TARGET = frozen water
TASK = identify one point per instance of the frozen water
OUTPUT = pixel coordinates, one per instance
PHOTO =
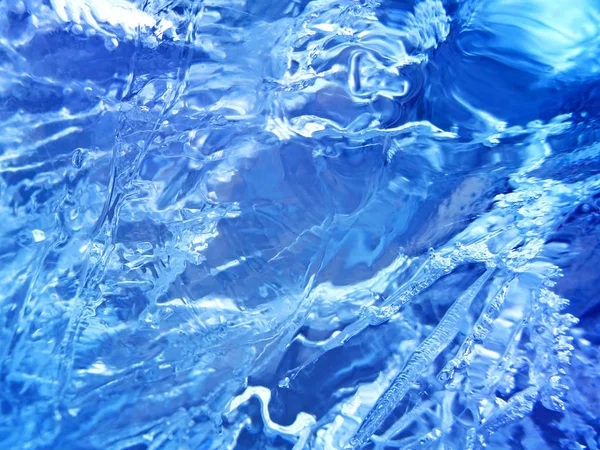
(307, 224)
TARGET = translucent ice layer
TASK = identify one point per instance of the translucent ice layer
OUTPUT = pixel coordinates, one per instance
(326, 224)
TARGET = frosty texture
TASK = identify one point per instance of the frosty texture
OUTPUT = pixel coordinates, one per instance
(256, 224)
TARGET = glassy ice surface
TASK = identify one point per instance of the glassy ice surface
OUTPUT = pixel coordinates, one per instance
(324, 224)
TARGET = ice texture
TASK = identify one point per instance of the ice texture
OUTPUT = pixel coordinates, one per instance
(299, 224)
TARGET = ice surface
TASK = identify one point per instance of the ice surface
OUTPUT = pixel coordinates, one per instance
(326, 224)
